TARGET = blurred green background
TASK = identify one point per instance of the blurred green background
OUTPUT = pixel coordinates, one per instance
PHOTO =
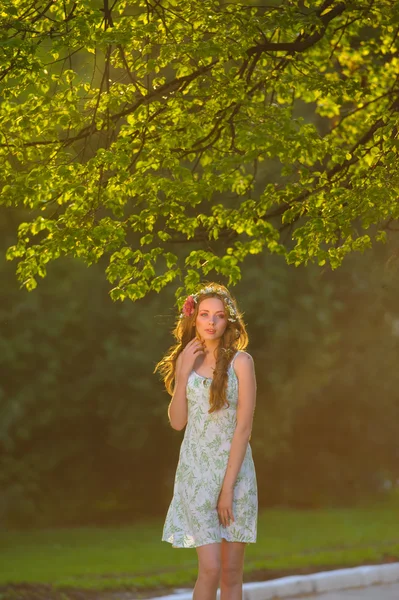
(84, 436)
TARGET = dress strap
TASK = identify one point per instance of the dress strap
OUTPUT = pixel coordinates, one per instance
(234, 357)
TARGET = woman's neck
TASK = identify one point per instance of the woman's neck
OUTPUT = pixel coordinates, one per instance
(210, 347)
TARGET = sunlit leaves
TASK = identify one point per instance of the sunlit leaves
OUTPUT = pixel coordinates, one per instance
(176, 139)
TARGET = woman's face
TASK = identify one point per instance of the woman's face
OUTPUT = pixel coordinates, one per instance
(211, 320)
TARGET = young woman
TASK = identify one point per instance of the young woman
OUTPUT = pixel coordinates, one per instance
(213, 387)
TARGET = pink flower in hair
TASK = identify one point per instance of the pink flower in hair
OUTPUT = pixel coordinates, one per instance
(188, 307)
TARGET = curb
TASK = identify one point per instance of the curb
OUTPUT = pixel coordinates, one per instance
(326, 581)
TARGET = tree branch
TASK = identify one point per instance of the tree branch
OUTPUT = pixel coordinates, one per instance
(301, 44)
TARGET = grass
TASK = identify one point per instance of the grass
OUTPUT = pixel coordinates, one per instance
(134, 556)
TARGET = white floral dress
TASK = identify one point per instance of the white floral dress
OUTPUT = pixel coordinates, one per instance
(192, 519)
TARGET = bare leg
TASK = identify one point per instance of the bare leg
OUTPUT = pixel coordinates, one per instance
(208, 572)
(232, 570)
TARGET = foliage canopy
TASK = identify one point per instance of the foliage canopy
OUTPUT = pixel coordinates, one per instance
(175, 139)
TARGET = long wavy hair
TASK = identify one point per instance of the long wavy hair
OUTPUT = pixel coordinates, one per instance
(234, 338)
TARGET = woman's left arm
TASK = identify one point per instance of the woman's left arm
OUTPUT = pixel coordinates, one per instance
(244, 368)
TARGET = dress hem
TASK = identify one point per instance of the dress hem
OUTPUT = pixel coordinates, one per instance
(249, 541)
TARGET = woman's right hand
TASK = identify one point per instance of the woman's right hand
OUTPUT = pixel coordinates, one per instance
(189, 355)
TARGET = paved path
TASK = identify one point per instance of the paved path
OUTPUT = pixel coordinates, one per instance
(376, 592)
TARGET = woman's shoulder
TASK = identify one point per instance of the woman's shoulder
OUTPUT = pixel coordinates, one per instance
(243, 360)
(242, 355)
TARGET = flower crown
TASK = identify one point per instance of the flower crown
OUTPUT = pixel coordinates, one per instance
(190, 302)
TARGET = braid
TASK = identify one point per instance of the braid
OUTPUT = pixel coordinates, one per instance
(229, 344)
